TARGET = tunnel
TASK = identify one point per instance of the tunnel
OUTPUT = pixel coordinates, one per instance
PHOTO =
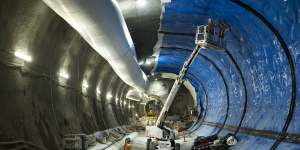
(55, 82)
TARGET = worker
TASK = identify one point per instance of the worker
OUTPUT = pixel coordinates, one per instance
(210, 27)
(222, 30)
(210, 30)
(172, 141)
(127, 145)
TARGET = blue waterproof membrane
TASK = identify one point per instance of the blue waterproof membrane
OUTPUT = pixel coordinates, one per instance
(254, 84)
(247, 142)
(290, 146)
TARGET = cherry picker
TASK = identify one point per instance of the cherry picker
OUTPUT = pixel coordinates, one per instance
(207, 36)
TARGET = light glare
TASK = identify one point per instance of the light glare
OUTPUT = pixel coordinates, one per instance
(148, 61)
(141, 3)
(23, 56)
(63, 75)
(98, 91)
(85, 84)
(109, 95)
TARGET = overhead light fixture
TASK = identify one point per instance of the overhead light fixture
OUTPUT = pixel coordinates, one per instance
(166, 1)
(63, 75)
(141, 63)
(23, 56)
(109, 96)
(85, 84)
(98, 91)
(141, 3)
(148, 61)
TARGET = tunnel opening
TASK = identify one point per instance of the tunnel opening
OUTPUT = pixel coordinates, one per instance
(183, 111)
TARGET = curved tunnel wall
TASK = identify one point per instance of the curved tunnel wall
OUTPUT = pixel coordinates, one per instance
(251, 89)
(38, 105)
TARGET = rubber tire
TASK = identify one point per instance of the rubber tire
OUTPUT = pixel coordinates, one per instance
(152, 146)
(149, 141)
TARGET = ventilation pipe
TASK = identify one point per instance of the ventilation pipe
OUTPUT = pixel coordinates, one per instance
(102, 25)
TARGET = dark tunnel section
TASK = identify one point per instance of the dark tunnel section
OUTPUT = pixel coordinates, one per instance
(67, 87)
(252, 88)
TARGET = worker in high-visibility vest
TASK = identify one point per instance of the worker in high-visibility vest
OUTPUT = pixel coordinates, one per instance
(210, 27)
(127, 145)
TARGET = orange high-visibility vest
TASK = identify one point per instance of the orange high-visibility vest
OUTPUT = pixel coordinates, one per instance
(127, 147)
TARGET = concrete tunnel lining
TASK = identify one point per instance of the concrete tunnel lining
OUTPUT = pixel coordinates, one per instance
(37, 104)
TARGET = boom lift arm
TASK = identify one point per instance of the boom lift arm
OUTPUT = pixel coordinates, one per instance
(178, 82)
(206, 37)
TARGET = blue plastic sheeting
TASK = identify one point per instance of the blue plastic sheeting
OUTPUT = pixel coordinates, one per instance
(247, 142)
(290, 146)
(205, 130)
(285, 17)
(212, 82)
(255, 82)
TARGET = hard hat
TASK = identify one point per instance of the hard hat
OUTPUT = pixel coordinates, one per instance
(231, 140)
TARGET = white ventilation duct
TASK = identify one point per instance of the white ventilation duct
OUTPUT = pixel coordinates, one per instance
(102, 25)
(136, 95)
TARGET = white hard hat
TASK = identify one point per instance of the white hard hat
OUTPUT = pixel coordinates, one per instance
(231, 140)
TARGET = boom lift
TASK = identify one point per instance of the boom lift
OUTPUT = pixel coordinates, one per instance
(207, 36)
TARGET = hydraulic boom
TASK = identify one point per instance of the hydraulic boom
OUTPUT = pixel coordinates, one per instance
(178, 82)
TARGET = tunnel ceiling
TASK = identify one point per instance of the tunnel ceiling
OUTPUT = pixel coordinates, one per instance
(142, 19)
(252, 88)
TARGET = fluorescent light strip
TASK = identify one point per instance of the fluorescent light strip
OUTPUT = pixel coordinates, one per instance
(98, 91)
(63, 75)
(84, 84)
(109, 95)
(23, 56)
(141, 3)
